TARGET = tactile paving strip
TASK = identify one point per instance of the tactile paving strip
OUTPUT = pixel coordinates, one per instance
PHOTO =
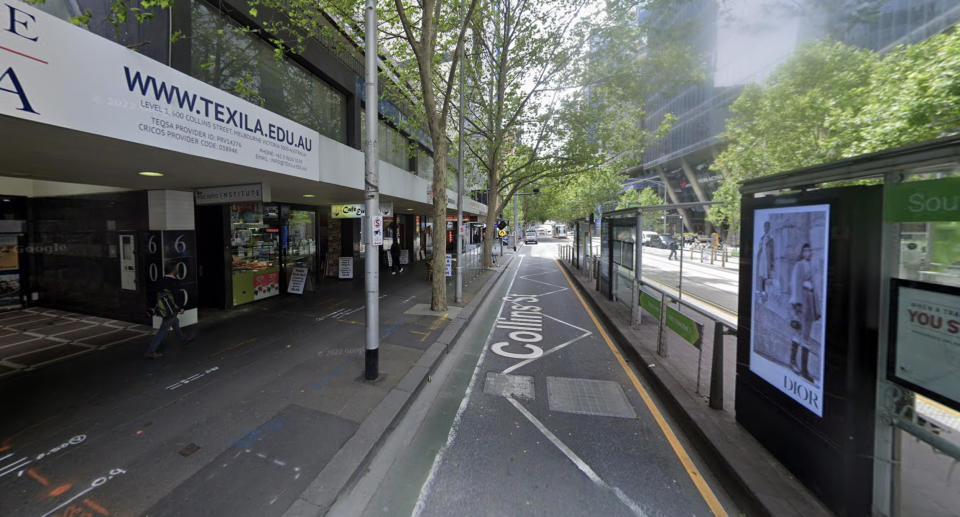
(520, 386)
(588, 397)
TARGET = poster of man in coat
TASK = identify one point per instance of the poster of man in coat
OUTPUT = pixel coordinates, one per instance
(788, 300)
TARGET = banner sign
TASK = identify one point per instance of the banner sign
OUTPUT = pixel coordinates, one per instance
(346, 267)
(925, 339)
(404, 257)
(922, 201)
(60, 74)
(689, 330)
(232, 194)
(789, 304)
(650, 304)
(449, 264)
(355, 210)
(298, 277)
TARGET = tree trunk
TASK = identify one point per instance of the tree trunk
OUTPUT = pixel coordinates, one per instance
(493, 209)
(438, 300)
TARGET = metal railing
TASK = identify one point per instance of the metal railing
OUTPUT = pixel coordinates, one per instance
(722, 325)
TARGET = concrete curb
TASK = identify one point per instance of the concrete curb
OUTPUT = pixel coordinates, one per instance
(752, 476)
(348, 462)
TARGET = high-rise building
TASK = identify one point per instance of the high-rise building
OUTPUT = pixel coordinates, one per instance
(741, 43)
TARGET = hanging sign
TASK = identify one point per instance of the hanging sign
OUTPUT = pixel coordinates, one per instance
(298, 277)
(355, 210)
(346, 267)
(922, 201)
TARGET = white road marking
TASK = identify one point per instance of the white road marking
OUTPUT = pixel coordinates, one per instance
(452, 435)
(723, 287)
(572, 456)
(554, 349)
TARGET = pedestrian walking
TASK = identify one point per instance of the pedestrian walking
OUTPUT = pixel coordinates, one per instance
(395, 254)
(168, 310)
(673, 250)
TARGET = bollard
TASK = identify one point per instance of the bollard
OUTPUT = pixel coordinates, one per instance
(723, 262)
(716, 368)
(701, 255)
(713, 255)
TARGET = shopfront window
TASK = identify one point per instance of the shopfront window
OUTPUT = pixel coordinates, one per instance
(301, 245)
(223, 55)
(255, 250)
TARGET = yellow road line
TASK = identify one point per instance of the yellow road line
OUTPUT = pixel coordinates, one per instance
(708, 496)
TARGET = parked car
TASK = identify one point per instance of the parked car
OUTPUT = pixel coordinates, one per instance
(654, 241)
(530, 237)
(666, 240)
(646, 238)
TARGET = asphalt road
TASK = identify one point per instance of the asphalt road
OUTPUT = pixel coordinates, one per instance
(536, 415)
(710, 283)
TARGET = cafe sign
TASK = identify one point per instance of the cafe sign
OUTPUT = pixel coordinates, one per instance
(357, 210)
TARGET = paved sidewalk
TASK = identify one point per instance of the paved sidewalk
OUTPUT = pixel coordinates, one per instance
(753, 477)
(266, 411)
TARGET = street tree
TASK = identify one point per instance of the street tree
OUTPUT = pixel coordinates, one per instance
(789, 121)
(516, 68)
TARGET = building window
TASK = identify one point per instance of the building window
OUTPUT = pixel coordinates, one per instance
(392, 146)
(223, 55)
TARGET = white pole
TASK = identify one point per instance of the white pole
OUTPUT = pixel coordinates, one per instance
(371, 199)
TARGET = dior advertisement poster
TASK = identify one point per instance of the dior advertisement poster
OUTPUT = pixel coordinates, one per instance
(789, 301)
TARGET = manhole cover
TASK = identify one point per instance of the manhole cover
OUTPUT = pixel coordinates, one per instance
(502, 385)
(189, 449)
(588, 397)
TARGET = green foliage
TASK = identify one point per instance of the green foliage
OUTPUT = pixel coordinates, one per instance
(790, 121)
(832, 101)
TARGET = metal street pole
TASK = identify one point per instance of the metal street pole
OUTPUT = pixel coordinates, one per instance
(516, 224)
(371, 199)
(459, 292)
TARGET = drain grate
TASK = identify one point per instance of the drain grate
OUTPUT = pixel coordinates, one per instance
(588, 397)
(520, 386)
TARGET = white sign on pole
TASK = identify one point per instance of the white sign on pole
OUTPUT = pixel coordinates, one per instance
(346, 267)
(449, 264)
(404, 257)
(298, 277)
(69, 77)
(378, 230)
(355, 210)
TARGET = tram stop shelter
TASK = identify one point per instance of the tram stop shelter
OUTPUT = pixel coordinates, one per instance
(848, 348)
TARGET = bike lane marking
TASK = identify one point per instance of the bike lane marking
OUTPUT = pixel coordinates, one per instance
(705, 491)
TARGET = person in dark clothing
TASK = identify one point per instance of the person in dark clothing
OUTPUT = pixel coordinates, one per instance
(673, 250)
(395, 254)
(168, 310)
